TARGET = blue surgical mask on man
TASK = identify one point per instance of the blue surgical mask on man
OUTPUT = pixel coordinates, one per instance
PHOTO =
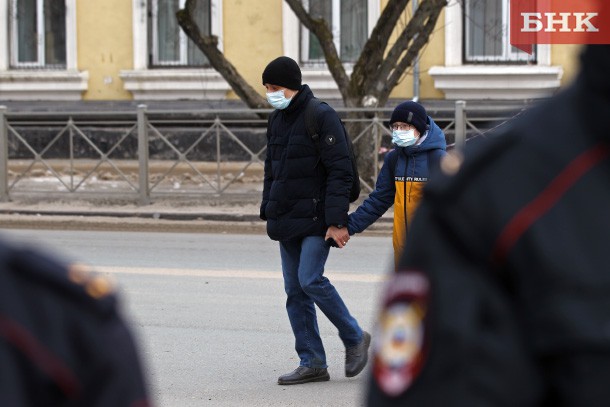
(404, 138)
(278, 100)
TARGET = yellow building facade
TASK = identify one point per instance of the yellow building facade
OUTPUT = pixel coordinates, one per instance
(116, 50)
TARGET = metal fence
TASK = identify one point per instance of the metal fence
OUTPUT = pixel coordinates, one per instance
(145, 154)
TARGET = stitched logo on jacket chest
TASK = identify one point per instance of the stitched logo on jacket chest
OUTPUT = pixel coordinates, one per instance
(330, 139)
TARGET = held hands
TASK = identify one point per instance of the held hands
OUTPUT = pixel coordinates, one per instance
(340, 236)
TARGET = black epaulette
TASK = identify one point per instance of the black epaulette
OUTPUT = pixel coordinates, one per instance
(71, 283)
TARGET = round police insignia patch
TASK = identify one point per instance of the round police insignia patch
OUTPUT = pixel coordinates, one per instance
(330, 139)
(399, 352)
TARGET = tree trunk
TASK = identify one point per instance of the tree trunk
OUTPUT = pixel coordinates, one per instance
(378, 70)
(209, 46)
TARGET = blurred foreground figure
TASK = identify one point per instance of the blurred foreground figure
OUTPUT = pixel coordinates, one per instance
(502, 297)
(62, 341)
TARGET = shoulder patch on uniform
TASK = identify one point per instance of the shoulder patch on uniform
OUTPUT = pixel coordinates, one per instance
(330, 139)
(452, 162)
(400, 349)
(95, 285)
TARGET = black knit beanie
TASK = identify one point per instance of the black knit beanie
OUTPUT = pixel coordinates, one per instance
(283, 71)
(412, 113)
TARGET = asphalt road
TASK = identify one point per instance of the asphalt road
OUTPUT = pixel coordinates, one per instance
(208, 311)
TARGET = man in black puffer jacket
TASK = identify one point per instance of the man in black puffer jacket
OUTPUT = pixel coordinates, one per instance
(306, 191)
(502, 296)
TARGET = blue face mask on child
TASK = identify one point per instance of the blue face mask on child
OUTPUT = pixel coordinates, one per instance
(278, 100)
(404, 138)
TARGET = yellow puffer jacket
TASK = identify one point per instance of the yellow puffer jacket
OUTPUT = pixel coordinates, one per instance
(400, 183)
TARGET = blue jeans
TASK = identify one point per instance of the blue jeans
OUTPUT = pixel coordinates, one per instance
(303, 268)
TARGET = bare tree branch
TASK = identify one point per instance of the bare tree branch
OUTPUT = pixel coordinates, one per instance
(427, 12)
(209, 46)
(366, 67)
(417, 44)
(375, 73)
(321, 30)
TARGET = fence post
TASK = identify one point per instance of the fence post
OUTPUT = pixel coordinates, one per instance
(377, 137)
(460, 123)
(3, 156)
(218, 173)
(143, 155)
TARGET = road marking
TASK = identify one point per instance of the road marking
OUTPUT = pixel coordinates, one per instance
(333, 275)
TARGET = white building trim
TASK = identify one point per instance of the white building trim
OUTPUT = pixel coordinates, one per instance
(464, 81)
(174, 83)
(35, 84)
(42, 85)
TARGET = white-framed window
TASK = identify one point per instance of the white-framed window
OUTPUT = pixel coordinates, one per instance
(38, 51)
(349, 25)
(296, 42)
(469, 74)
(487, 35)
(170, 46)
(166, 64)
(37, 34)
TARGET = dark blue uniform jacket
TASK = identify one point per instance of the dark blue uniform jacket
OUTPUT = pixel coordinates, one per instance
(510, 253)
(63, 341)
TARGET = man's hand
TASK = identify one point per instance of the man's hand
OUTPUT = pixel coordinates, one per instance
(340, 236)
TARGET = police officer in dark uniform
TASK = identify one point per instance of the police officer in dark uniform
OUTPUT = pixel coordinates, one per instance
(62, 339)
(502, 297)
